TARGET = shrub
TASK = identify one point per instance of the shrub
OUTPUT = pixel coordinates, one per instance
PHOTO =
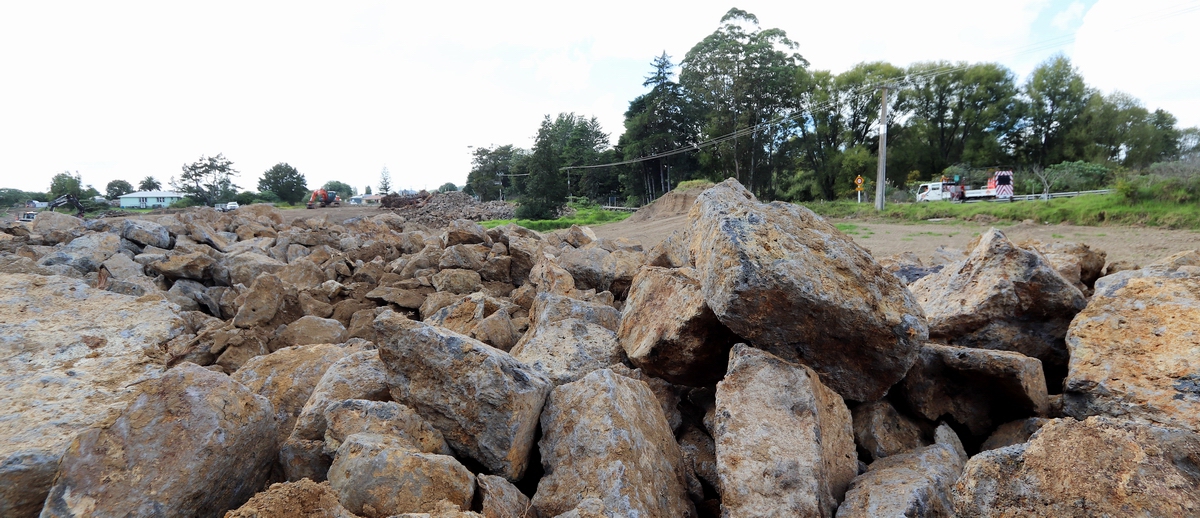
(185, 203)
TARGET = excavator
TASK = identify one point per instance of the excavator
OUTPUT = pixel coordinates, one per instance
(68, 199)
(323, 198)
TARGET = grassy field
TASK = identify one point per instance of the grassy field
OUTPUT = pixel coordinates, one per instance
(1100, 209)
(584, 215)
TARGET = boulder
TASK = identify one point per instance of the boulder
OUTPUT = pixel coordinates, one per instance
(497, 330)
(48, 221)
(665, 393)
(789, 282)
(388, 418)
(72, 356)
(943, 256)
(311, 329)
(566, 350)
(978, 388)
(457, 281)
(287, 378)
(203, 233)
(465, 232)
(586, 266)
(1097, 467)
(908, 267)
(1134, 352)
(468, 257)
(407, 299)
(1014, 432)
(1002, 297)
(525, 253)
(605, 436)
(377, 476)
(301, 275)
(301, 498)
(121, 267)
(245, 267)
(668, 330)
(85, 253)
(1090, 262)
(186, 293)
(192, 265)
(785, 446)
(146, 233)
(918, 483)
(671, 252)
(262, 302)
(550, 307)
(193, 442)
(580, 237)
(485, 402)
(881, 431)
(500, 499)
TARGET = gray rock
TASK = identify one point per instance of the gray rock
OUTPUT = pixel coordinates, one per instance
(914, 484)
(882, 431)
(146, 233)
(389, 418)
(566, 350)
(85, 253)
(287, 378)
(458, 281)
(377, 476)
(1014, 432)
(500, 499)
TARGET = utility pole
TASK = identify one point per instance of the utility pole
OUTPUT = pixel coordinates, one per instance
(879, 182)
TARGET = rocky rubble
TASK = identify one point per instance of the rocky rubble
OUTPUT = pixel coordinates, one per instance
(755, 363)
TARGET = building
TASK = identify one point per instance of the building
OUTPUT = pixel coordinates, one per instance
(371, 199)
(149, 199)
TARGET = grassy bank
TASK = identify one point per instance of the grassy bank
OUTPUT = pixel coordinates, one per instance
(1100, 209)
(584, 215)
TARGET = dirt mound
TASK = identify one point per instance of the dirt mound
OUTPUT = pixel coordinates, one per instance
(674, 203)
(439, 209)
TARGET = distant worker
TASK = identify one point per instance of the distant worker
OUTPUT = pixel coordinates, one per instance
(1004, 187)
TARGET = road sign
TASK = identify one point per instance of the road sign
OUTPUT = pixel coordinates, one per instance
(858, 180)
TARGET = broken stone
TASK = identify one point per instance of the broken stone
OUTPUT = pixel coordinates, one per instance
(146, 233)
(389, 418)
(287, 378)
(1015, 432)
(909, 484)
(566, 350)
(881, 431)
(311, 329)
(458, 281)
(376, 476)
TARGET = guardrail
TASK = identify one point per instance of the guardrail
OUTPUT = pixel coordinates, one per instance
(613, 207)
(1033, 197)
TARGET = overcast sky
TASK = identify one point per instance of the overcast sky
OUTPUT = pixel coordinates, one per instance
(122, 90)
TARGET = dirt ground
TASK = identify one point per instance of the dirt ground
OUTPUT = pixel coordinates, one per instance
(1140, 245)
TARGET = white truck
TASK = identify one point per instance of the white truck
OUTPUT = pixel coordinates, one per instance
(999, 186)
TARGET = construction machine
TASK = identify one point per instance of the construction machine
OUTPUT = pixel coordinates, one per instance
(68, 199)
(323, 198)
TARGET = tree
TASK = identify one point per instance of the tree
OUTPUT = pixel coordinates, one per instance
(149, 184)
(1055, 97)
(659, 121)
(342, 188)
(118, 188)
(65, 183)
(385, 181)
(208, 180)
(367, 191)
(547, 187)
(285, 181)
(448, 187)
(491, 172)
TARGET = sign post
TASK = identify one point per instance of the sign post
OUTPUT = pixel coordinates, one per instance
(858, 187)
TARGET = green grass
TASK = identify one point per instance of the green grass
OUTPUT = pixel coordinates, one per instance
(584, 216)
(1095, 210)
(689, 184)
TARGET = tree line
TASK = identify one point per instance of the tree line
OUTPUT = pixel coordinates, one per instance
(749, 106)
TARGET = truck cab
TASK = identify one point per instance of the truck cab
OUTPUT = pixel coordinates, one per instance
(27, 217)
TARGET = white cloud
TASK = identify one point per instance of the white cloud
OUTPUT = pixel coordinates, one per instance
(1069, 17)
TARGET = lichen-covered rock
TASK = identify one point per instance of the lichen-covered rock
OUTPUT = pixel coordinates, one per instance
(500, 499)
(978, 388)
(465, 232)
(382, 417)
(288, 499)
(566, 350)
(790, 283)
(668, 330)
(187, 265)
(310, 329)
(287, 378)
(914, 484)
(882, 431)
(261, 303)
(485, 402)
(668, 397)
(785, 446)
(551, 307)
(1097, 467)
(377, 476)
(85, 253)
(1002, 297)
(191, 443)
(457, 280)
(146, 233)
(71, 358)
(1135, 352)
(605, 436)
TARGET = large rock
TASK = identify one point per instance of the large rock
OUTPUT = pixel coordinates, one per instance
(785, 279)
(784, 441)
(978, 388)
(1090, 261)
(262, 302)
(550, 307)
(377, 476)
(146, 233)
(882, 432)
(566, 350)
(668, 330)
(457, 280)
(84, 253)
(1002, 297)
(48, 221)
(910, 484)
(485, 402)
(1135, 353)
(287, 378)
(245, 267)
(465, 232)
(191, 265)
(70, 356)
(191, 443)
(1097, 467)
(311, 329)
(500, 499)
(605, 436)
(382, 417)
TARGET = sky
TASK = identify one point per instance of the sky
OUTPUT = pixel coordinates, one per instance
(125, 90)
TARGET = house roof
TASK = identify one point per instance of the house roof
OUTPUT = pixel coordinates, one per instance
(152, 194)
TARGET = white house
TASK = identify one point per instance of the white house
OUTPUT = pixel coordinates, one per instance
(149, 199)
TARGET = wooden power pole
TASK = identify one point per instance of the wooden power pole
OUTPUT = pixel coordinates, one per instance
(879, 182)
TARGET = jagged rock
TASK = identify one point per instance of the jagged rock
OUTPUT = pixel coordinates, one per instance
(301, 274)
(465, 232)
(668, 330)
(882, 432)
(146, 233)
(525, 253)
(185, 293)
(72, 356)
(311, 329)
(407, 299)
(310, 305)
(619, 269)
(467, 257)
(1091, 262)
(287, 378)
(1002, 297)
(358, 376)
(465, 313)
(500, 499)
(389, 418)
(943, 256)
(85, 253)
(377, 476)
(56, 226)
(262, 302)
(1015, 432)
(700, 454)
(193, 265)
(244, 268)
(1097, 467)
(827, 302)
(586, 266)
(566, 350)
(908, 267)
(19, 264)
(301, 498)
(1134, 351)
(193, 442)
(121, 267)
(457, 281)
(910, 484)
(671, 252)
(550, 307)
(605, 436)
(436, 301)
(579, 237)
(978, 388)
(664, 392)
(784, 441)
(497, 269)
(485, 402)
(497, 330)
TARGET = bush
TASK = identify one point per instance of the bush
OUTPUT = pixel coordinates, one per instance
(537, 209)
(185, 203)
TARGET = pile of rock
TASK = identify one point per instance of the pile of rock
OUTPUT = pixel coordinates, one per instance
(436, 210)
(756, 363)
